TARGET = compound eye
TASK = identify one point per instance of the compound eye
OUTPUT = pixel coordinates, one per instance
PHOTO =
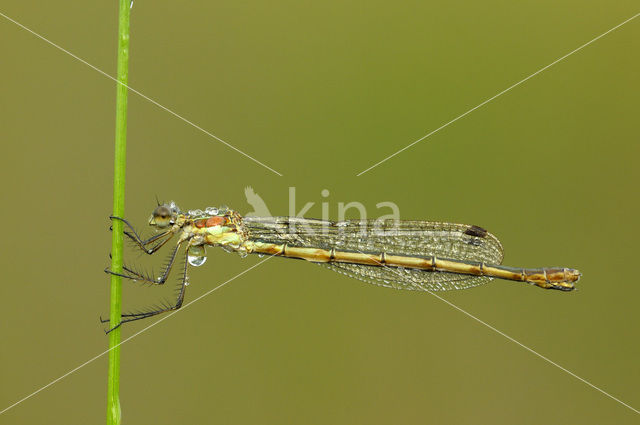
(161, 216)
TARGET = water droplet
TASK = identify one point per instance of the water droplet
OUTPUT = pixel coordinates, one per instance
(197, 255)
(195, 260)
(211, 210)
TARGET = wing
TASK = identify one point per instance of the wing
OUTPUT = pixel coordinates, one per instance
(394, 237)
(409, 279)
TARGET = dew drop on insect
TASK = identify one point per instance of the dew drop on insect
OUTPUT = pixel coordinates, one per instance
(196, 256)
(197, 261)
(211, 211)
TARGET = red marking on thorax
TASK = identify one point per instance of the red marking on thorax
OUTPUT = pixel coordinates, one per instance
(209, 222)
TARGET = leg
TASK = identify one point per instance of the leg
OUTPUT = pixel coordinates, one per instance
(142, 244)
(131, 317)
(136, 275)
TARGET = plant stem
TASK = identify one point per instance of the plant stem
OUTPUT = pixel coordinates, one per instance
(113, 386)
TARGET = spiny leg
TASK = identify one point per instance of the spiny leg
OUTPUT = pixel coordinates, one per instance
(136, 275)
(167, 235)
(131, 317)
(142, 243)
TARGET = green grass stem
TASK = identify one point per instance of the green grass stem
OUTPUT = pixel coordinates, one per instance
(113, 385)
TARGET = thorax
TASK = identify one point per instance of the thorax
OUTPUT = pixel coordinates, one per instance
(215, 230)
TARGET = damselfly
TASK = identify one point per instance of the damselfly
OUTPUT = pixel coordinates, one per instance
(414, 255)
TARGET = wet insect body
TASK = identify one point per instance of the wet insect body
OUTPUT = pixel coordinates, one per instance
(413, 255)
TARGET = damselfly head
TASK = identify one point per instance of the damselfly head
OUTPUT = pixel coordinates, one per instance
(164, 216)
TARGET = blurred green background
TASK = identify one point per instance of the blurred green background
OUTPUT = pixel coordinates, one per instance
(319, 92)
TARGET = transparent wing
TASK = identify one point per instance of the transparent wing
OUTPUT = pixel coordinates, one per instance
(410, 279)
(413, 238)
(394, 237)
